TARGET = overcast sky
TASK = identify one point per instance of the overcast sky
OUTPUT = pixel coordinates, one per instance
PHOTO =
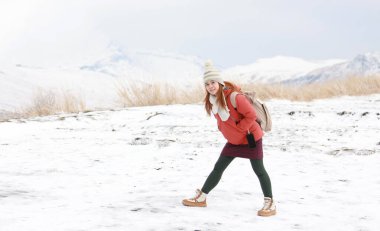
(231, 32)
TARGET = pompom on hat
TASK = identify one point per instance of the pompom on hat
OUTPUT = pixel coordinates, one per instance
(211, 73)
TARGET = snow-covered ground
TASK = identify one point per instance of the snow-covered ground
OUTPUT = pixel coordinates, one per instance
(129, 169)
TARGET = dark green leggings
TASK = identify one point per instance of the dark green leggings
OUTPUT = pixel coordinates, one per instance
(223, 162)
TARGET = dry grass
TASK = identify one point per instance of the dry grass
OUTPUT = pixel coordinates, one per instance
(134, 94)
(47, 102)
(353, 86)
(140, 94)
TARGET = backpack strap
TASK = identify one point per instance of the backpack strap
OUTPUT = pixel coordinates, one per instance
(233, 98)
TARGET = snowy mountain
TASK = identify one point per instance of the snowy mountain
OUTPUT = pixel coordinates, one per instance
(362, 65)
(96, 80)
(276, 69)
(147, 65)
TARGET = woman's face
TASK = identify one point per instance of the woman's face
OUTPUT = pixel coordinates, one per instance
(212, 87)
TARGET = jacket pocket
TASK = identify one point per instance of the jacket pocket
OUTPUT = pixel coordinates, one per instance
(232, 133)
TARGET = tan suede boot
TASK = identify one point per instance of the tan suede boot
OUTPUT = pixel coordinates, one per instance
(198, 201)
(269, 208)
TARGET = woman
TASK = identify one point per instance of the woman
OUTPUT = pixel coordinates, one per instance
(237, 126)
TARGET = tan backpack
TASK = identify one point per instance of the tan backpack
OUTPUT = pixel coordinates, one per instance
(263, 117)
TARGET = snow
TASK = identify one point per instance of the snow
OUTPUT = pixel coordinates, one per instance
(96, 82)
(367, 64)
(276, 69)
(129, 169)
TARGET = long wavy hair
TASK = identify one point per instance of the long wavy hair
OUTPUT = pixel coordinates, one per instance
(219, 96)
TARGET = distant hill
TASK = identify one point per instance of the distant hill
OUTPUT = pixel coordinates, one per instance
(361, 65)
(147, 65)
(275, 70)
(96, 80)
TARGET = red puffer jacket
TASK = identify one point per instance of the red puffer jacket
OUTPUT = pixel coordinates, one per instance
(235, 131)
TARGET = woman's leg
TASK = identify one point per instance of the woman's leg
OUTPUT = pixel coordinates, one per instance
(258, 168)
(216, 174)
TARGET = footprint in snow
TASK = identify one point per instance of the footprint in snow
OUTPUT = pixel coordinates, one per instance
(345, 151)
(164, 142)
(141, 141)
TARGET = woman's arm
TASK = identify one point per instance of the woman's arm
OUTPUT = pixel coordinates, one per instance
(244, 107)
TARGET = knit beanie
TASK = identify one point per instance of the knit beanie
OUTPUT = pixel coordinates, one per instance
(211, 73)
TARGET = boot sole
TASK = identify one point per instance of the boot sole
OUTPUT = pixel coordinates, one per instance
(272, 213)
(190, 204)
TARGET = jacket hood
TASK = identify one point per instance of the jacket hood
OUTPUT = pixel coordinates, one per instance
(227, 90)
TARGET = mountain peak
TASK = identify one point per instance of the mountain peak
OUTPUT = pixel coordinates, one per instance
(361, 65)
(367, 57)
